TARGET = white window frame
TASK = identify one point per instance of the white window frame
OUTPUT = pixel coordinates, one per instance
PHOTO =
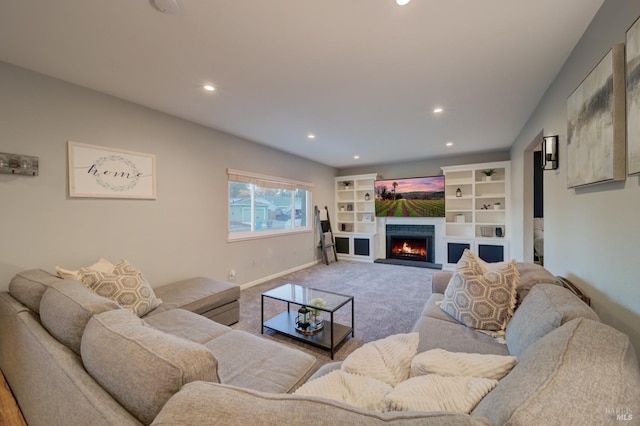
(270, 181)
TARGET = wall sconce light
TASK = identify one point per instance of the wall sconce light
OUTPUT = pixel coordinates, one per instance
(15, 164)
(550, 152)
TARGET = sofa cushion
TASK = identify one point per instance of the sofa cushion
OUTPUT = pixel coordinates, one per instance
(388, 359)
(455, 337)
(252, 362)
(66, 308)
(187, 325)
(575, 375)
(126, 285)
(27, 287)
(445, 363)
(530, 275)
(198, 403)
(546, 308)
(141, 367)
(432, 309)
(483, 301)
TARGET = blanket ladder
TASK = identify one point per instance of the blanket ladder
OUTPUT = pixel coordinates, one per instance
(327, 242)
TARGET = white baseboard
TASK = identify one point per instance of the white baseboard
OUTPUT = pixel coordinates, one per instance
(279, 274)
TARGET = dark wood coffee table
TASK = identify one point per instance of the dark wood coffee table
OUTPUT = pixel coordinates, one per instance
(329, 336)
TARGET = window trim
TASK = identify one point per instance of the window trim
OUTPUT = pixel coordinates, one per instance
(267, 181)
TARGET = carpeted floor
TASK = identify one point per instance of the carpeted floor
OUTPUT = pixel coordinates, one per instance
(387, 300)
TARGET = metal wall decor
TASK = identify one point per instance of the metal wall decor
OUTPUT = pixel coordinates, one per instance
(16, 164)
(550, 152)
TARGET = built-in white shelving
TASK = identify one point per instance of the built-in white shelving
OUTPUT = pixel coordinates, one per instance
(355, 216)
(477, 210)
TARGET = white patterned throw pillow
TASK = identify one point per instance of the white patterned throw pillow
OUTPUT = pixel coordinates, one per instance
(438, 393)
(126, 286)
(388, 359)
(102, 265)
(445, 363)
(485, 300)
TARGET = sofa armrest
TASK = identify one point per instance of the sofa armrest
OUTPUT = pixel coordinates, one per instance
(440, 281)
(200, 403)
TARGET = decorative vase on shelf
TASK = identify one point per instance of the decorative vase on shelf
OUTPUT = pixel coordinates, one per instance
(458, 193)
(367, 196)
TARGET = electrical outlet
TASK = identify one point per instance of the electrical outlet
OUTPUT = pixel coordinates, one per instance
(232, 274)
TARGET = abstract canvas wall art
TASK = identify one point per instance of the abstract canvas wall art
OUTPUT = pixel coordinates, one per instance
(596, 124)
(633, 98)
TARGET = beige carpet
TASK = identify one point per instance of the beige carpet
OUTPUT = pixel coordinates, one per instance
(388, 299)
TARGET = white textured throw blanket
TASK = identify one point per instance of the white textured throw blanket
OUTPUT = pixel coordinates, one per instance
(388, 359)
(388, 375)
(445, 363)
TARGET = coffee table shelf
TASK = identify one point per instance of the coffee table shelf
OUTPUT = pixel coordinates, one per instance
(332, 333)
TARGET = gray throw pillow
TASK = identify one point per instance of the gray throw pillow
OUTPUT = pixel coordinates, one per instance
(546, 307)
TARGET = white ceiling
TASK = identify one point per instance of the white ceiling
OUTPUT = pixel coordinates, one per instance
(362, 75)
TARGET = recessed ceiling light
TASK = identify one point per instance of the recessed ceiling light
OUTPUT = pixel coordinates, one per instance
(356, 157)
(402, 2)
(208, 88)
(449, 144)
(438, 110)
(311, 136)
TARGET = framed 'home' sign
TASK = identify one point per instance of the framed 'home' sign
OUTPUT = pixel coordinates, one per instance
(102, 172)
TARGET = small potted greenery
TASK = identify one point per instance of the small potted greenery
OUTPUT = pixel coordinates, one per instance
(497, 206)
(488, 173)
(316, 319)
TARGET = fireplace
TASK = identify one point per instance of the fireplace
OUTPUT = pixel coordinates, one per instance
(408, 248)
(411, 243)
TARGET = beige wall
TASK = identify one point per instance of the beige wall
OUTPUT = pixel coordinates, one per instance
(591, 234)
(182, 233)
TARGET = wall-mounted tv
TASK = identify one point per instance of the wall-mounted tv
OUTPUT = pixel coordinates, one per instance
(410, 197)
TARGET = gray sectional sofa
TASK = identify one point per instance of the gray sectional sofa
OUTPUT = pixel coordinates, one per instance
(72, 357)
(79, 359)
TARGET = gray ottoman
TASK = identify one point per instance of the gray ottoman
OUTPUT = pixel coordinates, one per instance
(216, 300)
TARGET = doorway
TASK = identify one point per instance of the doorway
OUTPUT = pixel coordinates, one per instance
(538, 208)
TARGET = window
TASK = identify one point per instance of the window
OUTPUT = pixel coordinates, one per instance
(262, 205)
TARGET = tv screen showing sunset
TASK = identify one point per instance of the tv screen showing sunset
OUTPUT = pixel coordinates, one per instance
(410, 197)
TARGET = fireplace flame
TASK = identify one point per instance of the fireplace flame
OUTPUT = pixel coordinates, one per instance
(407, 249)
